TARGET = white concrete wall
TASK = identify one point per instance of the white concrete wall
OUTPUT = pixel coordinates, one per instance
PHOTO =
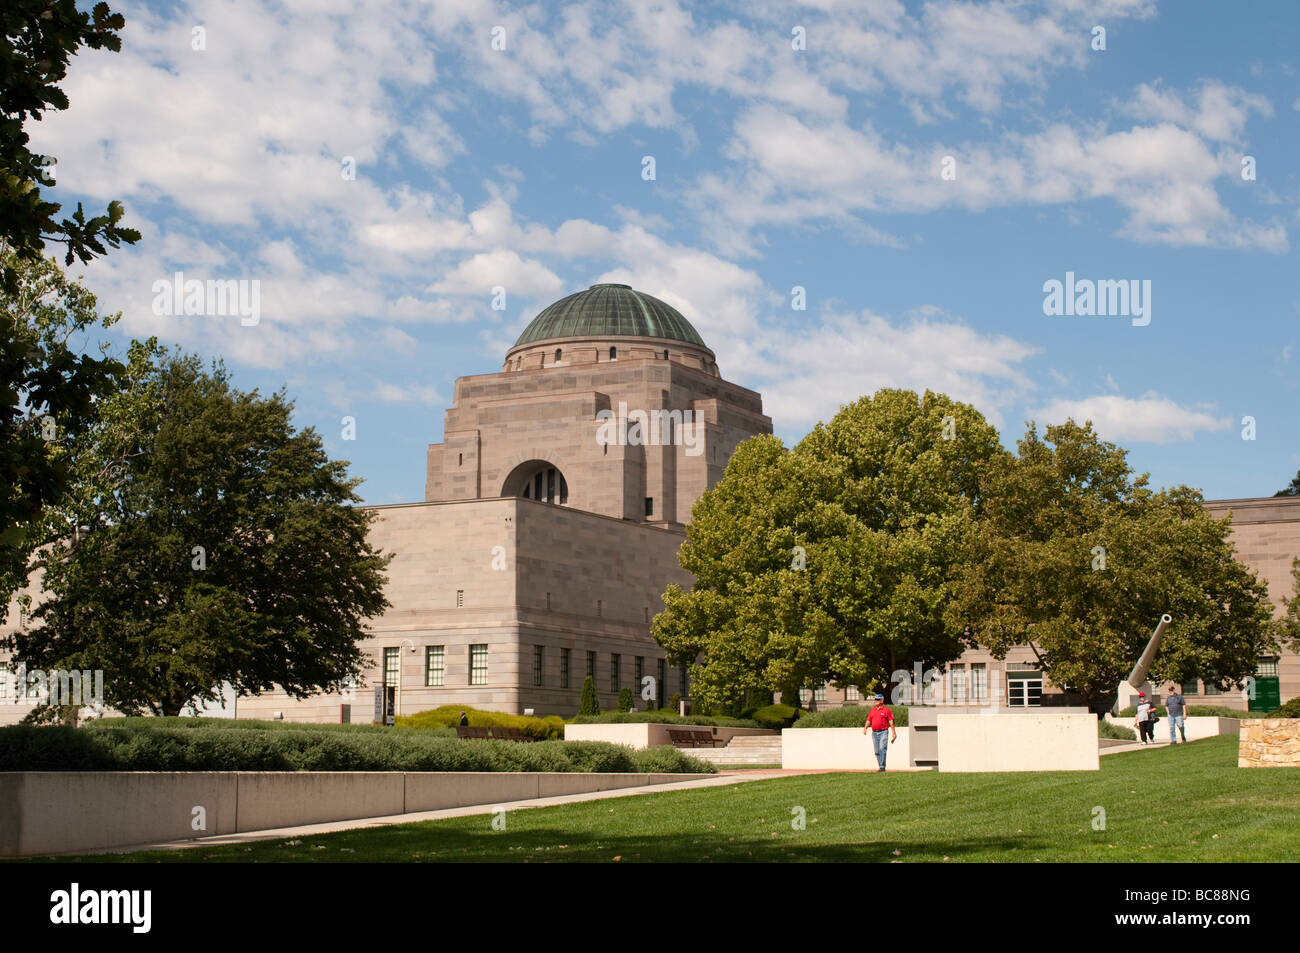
(839, 749)
(651, 736)
(50, 812)
(1201, 726)
(1044, 741)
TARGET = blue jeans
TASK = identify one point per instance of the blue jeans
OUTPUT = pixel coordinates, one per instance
(1182, 729)
(880, 740)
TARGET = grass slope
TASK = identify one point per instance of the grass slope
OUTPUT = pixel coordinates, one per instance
(1183, 803)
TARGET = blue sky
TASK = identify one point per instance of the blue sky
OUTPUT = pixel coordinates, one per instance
(775, 167)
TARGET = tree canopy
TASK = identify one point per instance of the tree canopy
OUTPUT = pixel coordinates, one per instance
(831, 561)
(218, 545)
(48, 390)
(1078, 558)
(37, 39)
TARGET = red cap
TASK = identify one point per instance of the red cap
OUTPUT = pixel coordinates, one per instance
(1142, 694)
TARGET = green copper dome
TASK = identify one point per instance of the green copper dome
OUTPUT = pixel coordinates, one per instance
(607, 310)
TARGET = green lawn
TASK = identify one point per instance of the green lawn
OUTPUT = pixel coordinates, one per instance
(1183, 803)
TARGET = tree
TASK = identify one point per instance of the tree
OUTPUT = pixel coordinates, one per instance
(39, 37)
(1292, 488)
(1078, 558)
(832, 561)
(1288, 626)
(590, 701)
(48, 391)
(226, 549)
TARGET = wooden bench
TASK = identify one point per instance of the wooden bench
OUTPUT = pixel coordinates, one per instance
(509, 734)
(683, 738)
(469, 731)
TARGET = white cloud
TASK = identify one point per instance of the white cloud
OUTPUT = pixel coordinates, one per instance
(1146, 419)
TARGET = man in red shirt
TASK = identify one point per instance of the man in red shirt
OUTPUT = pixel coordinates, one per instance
(880, 720)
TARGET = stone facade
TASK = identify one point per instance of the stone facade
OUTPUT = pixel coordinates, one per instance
(1269, 743)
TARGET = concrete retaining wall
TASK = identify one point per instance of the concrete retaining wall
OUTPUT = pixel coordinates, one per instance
(1019, 742)
(839, 749)
(651, 736)
(50, 812)
(1197, 727)
(1269, 743)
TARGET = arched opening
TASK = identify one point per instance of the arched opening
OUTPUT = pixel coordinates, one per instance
(558, 352)
(613, 354)
(537, 480)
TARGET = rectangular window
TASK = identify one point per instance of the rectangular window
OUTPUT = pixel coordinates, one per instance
(820, 693)
(1211, 687)
(649, 506)
(548, 602)
(433, 665)
(538, 657)
(460, 598)
(661, 684)
(684, 682)
(591, 665)
(478, 664)
(392, 667)
(1024, 689)
(979, 682)
(1267, 668)
(639, 668)
(613, 672)
(564, 668)
(852, 694)
(959, 684)
(600, 607)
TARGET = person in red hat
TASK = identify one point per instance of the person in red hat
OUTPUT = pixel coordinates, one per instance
(1143, 721)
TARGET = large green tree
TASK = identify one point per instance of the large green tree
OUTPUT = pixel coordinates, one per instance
(221, 545)
(831, 561)
(1292, 488)
(49, 387)
(1079, 558)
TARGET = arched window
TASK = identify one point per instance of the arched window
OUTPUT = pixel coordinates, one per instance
(547, 485)
(613, 354)
(665, 354)
(558, 352)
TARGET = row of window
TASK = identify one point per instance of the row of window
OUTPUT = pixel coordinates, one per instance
(435, 668)
(559, 355)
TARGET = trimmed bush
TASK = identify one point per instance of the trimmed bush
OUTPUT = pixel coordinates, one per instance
(550, 727)
(590, 702)
(625, 699)
(1197, 711)
(140, 744)
(775, 716)
(675, 703)
(1290, 710)
(661, 718)
(850, 716)
(666, 759)
(1106, 730)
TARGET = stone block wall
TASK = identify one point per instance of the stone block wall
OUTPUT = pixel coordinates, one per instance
(1269, 743)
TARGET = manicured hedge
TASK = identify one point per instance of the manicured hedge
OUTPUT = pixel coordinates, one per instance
(850, 716)
(1106, 730)
(1198, 711)
(127, 745)
(775, 716)
(1290, 710)
(552, 726)
(662, 718)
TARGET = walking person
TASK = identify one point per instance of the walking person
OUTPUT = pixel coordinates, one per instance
(880, 720)
(1176, 709)
(1142, 719)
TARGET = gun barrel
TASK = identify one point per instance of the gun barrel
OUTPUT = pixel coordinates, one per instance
(1139, 673)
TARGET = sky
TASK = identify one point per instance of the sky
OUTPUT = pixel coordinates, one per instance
(921, 171)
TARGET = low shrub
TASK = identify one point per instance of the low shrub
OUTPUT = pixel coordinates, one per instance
(142, 744)
(666, 759)
(1197, 711)
(775, 716)
(1106, 730)
(661, 718)
(1290, 710)
(625, 699)
(850, 716)
(550, 727)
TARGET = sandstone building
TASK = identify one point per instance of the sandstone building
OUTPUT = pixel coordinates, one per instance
(553, 512)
